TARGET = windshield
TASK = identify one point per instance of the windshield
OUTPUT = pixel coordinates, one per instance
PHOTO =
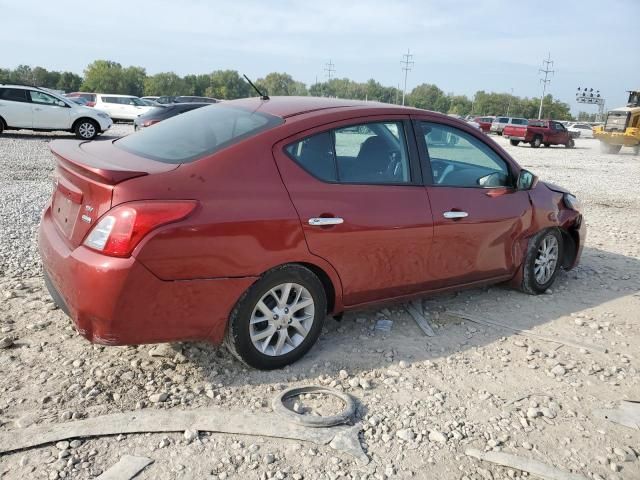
(616, 121)
(197, 133)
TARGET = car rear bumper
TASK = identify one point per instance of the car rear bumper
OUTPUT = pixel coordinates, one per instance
(117, 301)
(513, 137)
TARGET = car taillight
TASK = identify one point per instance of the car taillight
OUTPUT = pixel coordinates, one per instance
(119, 230)
(91, 104)
(148, 123)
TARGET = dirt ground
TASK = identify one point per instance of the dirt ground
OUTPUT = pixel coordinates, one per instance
(422, 400)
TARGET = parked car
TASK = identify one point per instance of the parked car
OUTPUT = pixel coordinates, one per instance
(251, 220)
(151, 99)
(499, 123)
(39, 109)
(121, 107)
(485, 123)
(539, 132)
(89, 97)
(162, 112)
(185, 99)
(583, 129)
(79, 100)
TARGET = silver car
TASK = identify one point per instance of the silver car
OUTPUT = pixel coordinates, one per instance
(498, 124)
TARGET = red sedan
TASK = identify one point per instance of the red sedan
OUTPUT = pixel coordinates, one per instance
(249, 221)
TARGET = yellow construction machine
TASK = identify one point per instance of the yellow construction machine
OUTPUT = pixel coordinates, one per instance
(622, 127)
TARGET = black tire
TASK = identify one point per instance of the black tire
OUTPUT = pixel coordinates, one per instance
(238, 339)
(86, 129)
(547, 145)
(530, 283)
(1, 126)
(570, 143)
(536, 142)
(515, 143)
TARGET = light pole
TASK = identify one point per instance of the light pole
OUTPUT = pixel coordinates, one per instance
(589, 96)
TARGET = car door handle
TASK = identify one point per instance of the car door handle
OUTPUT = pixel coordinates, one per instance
(323, 221)
(455, 214)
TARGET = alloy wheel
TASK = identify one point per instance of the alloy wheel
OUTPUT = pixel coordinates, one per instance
(282, 319)
(87, 130)
(546, 259)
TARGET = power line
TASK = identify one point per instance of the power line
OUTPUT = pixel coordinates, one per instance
(407, 65)
(546, 70)
(329, 70)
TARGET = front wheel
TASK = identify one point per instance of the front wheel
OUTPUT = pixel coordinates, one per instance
(86, 129)
(542, 262)
(515, 143)
(570, 143)
(278, 319)
(536, 142)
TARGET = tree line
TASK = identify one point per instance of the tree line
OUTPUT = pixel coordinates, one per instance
(111, 77)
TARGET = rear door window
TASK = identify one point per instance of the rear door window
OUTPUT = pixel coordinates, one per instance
(192, 135)
(369, 153)
(14, 94)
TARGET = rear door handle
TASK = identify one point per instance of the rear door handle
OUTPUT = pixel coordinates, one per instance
(455, 214)
(322, 221)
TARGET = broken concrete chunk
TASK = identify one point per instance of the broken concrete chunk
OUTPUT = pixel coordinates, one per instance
(126, 468)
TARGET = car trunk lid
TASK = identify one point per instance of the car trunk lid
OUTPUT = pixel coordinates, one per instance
(86, 175)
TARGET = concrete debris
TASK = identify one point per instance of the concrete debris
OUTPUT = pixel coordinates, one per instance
(126, 468)
(415, 310)
(628, 414)
(533, 467)
(384, 325)
(204, 420)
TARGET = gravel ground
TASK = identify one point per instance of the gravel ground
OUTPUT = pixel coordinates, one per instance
(422, 401)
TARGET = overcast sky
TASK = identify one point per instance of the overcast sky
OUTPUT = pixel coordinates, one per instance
(461, 46)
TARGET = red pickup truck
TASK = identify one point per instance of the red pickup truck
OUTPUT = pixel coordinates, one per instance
(539, 132)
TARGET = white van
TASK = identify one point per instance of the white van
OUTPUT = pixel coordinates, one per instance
(121, 107)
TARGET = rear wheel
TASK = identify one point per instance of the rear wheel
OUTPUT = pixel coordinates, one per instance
(515, 143)
(542, 262)
(537, 141)
(1, 126)
(570, 143)
(86, 129)
(547, 145)
(278, 319)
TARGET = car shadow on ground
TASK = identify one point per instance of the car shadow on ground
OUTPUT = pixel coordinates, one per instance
(354, 344)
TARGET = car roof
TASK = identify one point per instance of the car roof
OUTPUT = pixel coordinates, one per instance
(23, 87)
(285, 107)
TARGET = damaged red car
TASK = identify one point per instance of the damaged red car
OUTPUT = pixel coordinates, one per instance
(248, 222)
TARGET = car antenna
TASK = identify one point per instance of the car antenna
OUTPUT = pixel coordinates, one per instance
(262, 95)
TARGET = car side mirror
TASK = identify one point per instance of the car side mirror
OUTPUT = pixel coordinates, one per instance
(526, 180)
(60, 103)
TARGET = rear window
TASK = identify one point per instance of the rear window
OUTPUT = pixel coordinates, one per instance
(201, 132)
(502, 120)
(519, 121)
(537, 123)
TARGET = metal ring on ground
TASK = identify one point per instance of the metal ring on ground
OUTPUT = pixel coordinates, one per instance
(309, 420)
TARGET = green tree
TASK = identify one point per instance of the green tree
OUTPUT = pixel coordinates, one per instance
(429, 97)
(166, 83)
(227, 85)
(69, 82)
(281, 84)
(109, 77)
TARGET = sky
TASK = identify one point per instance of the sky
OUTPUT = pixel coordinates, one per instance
(461, 46)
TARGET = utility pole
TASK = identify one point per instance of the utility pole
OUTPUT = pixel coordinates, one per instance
(510, 98)
(407, 65)
(546, 70)
(329, 70)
